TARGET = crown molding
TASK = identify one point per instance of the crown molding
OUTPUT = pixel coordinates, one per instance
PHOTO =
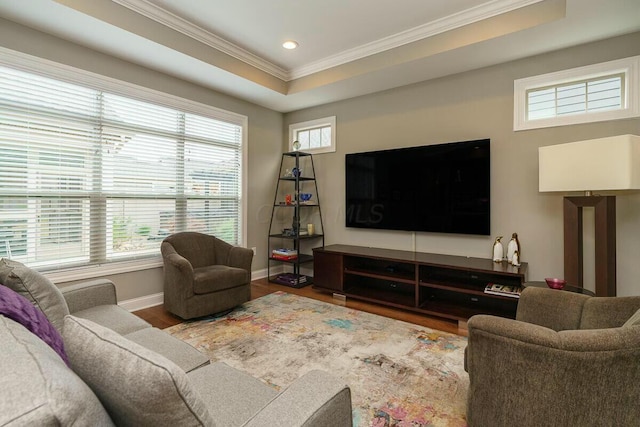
(430, 29)
(469, 16)
(170, 20)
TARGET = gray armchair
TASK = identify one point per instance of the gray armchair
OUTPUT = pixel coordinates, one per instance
(204, 275)
(567, 360)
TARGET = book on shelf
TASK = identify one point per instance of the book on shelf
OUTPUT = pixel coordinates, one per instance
(284, 252)
(284, 257)
(503, 290)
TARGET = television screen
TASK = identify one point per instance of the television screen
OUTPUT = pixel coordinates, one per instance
(443, 188)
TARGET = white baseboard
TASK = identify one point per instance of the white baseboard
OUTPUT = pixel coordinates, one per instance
(152, 300)
(139, 303)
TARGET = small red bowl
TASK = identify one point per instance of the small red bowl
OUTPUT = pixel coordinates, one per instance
(555, 283)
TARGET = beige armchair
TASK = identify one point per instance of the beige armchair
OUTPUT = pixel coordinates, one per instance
(204, 275)
(567, 360)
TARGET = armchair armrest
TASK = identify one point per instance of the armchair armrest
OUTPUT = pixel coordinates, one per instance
(314, 400)
(557, 310)
(240, 257)
(89, 294)
(527, 375)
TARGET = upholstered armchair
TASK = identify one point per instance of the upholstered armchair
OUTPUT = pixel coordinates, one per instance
(566, 360)
(204, 275)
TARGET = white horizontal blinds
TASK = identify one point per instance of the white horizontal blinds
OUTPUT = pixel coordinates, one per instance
(88, 177)
(586, 96)
(316, 137)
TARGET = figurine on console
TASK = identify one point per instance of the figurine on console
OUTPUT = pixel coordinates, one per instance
(513, 247)
(498, 250)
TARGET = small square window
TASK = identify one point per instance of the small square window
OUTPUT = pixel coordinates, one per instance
(314, 136)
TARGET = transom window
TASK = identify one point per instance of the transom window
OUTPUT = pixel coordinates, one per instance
(606, 91)
(314, 136)
(89, 177)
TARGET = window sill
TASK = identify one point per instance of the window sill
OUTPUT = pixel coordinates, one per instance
(96, 271)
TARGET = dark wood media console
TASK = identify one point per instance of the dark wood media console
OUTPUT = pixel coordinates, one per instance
(441, 285)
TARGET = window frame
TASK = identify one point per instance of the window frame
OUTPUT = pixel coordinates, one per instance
(76, 76)
(629, 68)
(294, 128)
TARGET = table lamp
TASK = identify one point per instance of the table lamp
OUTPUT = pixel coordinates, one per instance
(603, 164)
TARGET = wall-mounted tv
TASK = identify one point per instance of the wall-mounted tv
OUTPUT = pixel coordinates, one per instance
(442, 188)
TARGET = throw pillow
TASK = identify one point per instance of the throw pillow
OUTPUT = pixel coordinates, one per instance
(36, 288)
(633, 320)
(19, 309)
(136, 385)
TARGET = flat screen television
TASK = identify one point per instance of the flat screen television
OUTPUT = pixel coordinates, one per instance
(442, 188)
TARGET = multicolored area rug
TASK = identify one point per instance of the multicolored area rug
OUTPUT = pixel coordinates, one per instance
(400, 374)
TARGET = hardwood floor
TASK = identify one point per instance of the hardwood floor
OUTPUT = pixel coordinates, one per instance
(161, 318)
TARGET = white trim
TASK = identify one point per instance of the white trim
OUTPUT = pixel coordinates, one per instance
(630, 67)
(143, 302)
(466, 17)
(95, 271)
(469, 16)
(310, 124)
(189, 29)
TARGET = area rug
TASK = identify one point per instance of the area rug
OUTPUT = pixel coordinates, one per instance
(400, 374)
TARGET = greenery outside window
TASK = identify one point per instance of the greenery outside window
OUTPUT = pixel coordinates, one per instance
(90, 177)
(315, 136)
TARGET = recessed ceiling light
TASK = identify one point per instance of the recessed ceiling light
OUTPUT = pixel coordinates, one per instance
(290, 44)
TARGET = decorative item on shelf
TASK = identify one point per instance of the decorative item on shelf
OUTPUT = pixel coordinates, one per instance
(513, 247)
(304, 197)
(288, 173)
(287, 199)
(498, 250)
(515, 259)
(296, 145)
(296, 172)
(310, 229)
(554, 283)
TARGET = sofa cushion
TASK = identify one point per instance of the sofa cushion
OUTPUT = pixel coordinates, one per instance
(113, 317)
(36, 288)
(137, 386)
(38, 389)
(215, 278)
(179, 352)
(633, 320)
(18, 308)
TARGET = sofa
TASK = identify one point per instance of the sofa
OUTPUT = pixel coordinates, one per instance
(72, 356)
(567, 359)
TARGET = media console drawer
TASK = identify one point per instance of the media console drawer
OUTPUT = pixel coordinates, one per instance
(442, 285)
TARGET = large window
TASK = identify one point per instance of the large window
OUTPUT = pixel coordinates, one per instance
(89, 177)
(606, 91)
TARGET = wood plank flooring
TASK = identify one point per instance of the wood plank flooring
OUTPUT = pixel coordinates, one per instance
(161, 318)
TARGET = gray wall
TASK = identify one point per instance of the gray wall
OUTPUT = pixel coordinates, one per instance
(479, 104)
(264, 135)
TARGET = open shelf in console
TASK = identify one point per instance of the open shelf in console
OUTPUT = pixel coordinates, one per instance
(380, 268)
(392, 292)
(462, 305)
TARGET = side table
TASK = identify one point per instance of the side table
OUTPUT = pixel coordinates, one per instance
(569, 288)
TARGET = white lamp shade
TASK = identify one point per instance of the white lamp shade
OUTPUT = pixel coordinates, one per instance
(602, 164)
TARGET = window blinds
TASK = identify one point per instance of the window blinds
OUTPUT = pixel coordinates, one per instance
(89, 177)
